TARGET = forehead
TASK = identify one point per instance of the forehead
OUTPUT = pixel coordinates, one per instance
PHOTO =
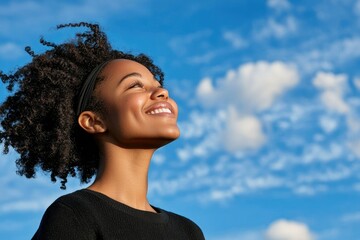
(122, 67)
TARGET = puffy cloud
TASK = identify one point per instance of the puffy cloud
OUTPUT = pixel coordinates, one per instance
(251, 87)
(288, 230)
(331, 82)
(334, 102)
(242, 132)
(333, 88)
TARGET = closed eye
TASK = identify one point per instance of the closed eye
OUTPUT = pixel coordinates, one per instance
(136, 84)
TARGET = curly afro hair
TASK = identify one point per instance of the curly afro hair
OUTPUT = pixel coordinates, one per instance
(39, 119)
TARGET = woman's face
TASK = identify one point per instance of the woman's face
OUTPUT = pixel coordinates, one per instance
(139, 112)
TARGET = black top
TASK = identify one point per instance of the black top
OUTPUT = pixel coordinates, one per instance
(86, 214)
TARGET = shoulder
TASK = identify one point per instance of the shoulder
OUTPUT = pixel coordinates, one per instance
(64, 219)
(186, 225)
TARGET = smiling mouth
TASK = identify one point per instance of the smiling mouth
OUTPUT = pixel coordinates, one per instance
(159, 110)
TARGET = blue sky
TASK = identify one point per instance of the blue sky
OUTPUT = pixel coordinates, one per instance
(268, 93)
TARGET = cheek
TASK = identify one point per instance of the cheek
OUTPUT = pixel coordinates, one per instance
(132, 105)
(173, 103)
(127, 110)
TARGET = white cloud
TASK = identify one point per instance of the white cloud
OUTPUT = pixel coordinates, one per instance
(278, 4)
(197, 124)
(242, 132)
(204, 57)
(288, 230)
(357, 83)
(334, 102)
(353, 124)
(309, 190)
(158, 159)
(26, 205)
(235, 185)
(186, 180)
(317, 152)
(354, 146)
(277, 29)
(204, 148)
(333, 88)
(349, 48)
(325, 175)
(328, 124)
(235, 39)
(324, 53)
(267, 81)
(331, 82)
(235, 92)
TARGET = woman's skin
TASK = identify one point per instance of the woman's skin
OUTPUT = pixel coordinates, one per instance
(139, 118)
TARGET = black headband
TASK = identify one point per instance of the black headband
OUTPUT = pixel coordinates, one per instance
(88, 88)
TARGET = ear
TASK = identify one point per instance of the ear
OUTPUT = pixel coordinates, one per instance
(91, 122)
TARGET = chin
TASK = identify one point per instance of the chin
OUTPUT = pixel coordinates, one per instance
(166, 139)
(173, 134)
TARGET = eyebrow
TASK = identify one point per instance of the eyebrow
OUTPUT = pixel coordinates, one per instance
(133, 74)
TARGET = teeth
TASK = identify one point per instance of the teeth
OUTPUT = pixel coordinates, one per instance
(160, 110)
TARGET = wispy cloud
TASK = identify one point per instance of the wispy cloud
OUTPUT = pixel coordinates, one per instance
(181, 45)
(235, 39)
(10, 51)
(279, 4)
(278, 29)
(26, 205)
(351, 217)
(27, 16)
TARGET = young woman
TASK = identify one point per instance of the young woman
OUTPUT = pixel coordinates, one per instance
(82, 108)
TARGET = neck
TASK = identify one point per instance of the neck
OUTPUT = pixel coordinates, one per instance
(123, 175)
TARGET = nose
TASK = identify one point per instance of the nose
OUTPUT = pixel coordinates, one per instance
(160, 93)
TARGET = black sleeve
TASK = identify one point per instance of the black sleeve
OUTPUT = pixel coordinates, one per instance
(60, 222)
